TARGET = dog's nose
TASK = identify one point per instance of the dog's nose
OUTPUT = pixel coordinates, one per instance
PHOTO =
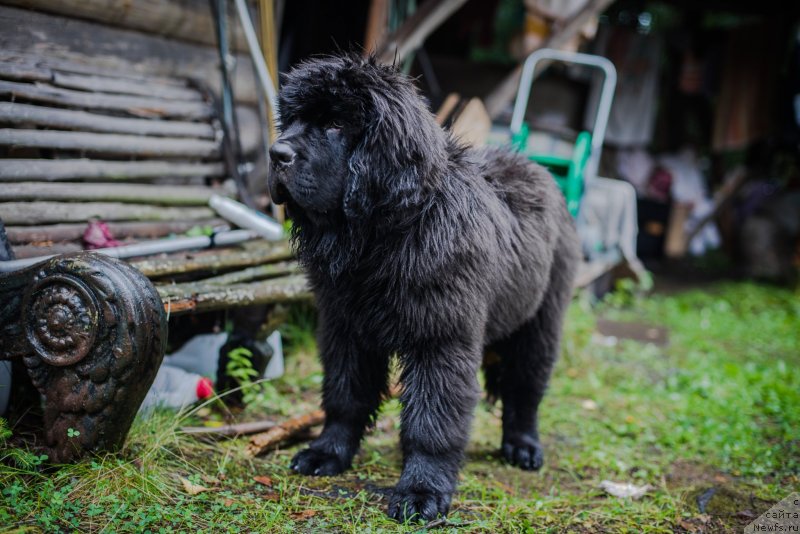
(282, 154)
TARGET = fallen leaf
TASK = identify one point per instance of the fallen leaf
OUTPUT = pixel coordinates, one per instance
(227, 502)
(263, 480)
(688, 526)
(191, 488)
(305, 514)
(624, 490)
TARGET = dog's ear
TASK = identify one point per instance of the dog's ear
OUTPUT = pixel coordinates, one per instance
(399, 154)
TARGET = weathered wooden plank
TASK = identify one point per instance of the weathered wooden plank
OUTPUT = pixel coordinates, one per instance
(110, 143)
(81, 46)
(56, 118)
(88, 169)
(106, 84)
(285, 289)
(134, 105)
(259, 272)
(214, 261)
(32, 67)
(128, 193)
(189, 20)
(20, 235)
(24, 71)
(22, 252)
(29, 213)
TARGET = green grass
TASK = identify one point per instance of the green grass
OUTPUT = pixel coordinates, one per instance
(719, 407)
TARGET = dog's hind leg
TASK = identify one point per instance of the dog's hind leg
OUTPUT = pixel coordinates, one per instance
(528, 356)
(353, 387)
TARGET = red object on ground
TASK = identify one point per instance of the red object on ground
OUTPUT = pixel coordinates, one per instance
(204, 388)
(98, 235)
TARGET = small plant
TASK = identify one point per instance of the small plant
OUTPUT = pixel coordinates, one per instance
(5, 432)
(240, 368)
(72, 433)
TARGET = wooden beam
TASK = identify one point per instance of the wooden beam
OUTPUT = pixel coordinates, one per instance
(505, 91)
(19, 235)
(133, 105)
(78, 46)
(259, 272)
(128, 193)
(22, 252)
(106, 84)
(413, 32)
(68, 119)
(376, 26)
(88, 169)
(213, 261)
(133, 145)
(188, 20)
(31, 213)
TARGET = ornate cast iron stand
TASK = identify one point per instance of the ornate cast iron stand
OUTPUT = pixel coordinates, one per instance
(89, 331)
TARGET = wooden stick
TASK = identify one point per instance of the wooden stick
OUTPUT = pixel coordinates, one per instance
(215, 261)
(416, 29)
(110, 143)
(133, 105)
(272, 438)
(21, 235)
(53, 118)
(237, 429)
(129, 193)
(212, 298)
(376, 25)
(31, 213)
(266, 441)
(105, 84)
(721, 199)
(89, 169)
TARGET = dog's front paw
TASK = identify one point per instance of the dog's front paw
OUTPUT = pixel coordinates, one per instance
(318, 463)
(526, 454)
(407, 505)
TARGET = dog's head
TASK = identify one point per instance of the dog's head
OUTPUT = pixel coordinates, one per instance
(357, 140)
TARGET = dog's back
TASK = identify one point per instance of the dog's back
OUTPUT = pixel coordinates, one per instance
(535, 235)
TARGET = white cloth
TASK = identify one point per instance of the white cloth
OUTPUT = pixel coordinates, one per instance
(689, 187)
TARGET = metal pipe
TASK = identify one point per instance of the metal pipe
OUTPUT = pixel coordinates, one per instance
(147, 248)
(603, 107)
(257, 57)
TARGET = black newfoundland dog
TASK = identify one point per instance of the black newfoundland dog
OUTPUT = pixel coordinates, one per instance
(418, 247)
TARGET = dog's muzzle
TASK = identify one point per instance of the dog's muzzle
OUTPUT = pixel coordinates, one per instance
(282, 157)
(282, 154)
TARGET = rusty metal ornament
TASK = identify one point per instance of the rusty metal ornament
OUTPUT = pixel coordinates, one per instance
(61, 319)
(90, 332)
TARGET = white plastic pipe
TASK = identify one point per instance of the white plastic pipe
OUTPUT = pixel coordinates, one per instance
(244, 217)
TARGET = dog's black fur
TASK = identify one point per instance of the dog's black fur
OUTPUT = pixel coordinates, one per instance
(420, 247)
